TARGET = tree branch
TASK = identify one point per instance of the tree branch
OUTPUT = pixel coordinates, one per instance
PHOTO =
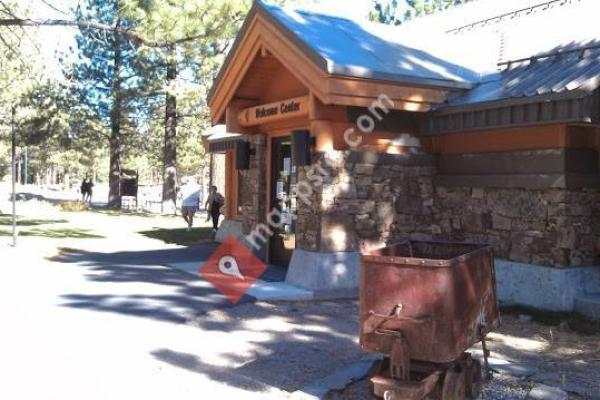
(131, 34)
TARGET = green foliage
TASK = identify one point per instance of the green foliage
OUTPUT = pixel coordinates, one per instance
(49, 120)
(12, 74)
(397, 11)
(74, 206)
(180, 236)
(4, 159)
(201, 31)
(95, 72)
(6, 220)
(70, 125)
(58, 131)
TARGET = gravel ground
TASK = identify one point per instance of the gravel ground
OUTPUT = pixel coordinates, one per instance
(298, 344)
(502, 387)
(558, 356)
(553, 355)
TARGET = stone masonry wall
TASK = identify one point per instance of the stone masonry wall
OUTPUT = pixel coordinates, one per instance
(552, 227)
(309, 214)
(367, 199)
(252, 186)
(372, 199)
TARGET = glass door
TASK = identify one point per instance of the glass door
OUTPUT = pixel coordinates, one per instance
(283, 181)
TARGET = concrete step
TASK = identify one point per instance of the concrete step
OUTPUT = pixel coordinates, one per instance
(589, 306)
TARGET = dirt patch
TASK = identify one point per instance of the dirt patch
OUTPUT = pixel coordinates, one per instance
(563, 358)
(555, 354)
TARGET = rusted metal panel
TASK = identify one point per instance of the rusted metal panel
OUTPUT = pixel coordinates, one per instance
(440, 296)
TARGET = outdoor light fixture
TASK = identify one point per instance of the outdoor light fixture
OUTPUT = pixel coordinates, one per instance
(301, 143)
(242, 155)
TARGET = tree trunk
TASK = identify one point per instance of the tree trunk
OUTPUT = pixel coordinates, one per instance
(114, 177)
(170, 149)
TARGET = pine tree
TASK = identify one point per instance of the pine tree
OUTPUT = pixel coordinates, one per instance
(111, 78)
(397, 11)
(188, 37)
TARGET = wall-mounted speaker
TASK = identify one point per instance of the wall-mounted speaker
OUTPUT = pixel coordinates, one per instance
(242, 155)
(301, 144)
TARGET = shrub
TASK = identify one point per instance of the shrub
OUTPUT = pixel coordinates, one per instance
(74, 206)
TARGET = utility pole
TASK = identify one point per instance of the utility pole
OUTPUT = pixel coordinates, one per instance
(25, 164)
(14, 175)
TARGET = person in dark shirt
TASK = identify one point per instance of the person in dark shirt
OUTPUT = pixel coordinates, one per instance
(83, 189)
(90, 190)
(213, 204)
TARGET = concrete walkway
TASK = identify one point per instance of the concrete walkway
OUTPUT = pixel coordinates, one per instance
(85, 326)
(107, 318)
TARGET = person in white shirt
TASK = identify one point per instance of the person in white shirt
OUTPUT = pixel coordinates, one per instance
(190, 201)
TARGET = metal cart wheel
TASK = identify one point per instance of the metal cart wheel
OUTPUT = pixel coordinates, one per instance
(454, 387)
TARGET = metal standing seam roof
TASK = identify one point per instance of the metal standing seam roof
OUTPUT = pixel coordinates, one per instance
(553, 75)
(355, 48)
(415, 53)
(363, 49)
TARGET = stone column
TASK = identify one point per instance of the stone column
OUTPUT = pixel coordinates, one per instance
(325, 259)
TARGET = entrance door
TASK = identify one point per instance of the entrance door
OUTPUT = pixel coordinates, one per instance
(283, 181)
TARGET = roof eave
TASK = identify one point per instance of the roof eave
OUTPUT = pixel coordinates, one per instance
(232, 51)
(258, 8)
(399, 79)
(510, 101)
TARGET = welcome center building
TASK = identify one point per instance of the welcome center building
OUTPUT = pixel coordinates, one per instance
(477, 124)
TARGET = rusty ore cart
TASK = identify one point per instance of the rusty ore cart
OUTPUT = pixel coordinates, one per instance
(423, 304)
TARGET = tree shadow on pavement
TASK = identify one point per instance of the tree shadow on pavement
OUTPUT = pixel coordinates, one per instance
(193, 363)
(7, 221)
(166, 294)
(268, 345)
(65, 233)
(286, 345)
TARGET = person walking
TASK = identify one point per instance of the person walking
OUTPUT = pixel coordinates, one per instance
(83, 189)
(90, 190)
(214, 202)
(189, 194)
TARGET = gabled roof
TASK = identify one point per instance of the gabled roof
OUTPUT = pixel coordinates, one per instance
(269, 32)
(490, 51)
(353, 48)
(363, 49)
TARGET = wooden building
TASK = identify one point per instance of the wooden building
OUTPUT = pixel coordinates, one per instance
(428, 130)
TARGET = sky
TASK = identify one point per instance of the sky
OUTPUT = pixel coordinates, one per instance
(53, 40)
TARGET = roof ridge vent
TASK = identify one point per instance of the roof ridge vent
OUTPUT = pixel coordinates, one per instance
(511, 15)
(582, 50)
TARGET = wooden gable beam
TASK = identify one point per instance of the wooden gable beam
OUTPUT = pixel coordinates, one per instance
(262, 37)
